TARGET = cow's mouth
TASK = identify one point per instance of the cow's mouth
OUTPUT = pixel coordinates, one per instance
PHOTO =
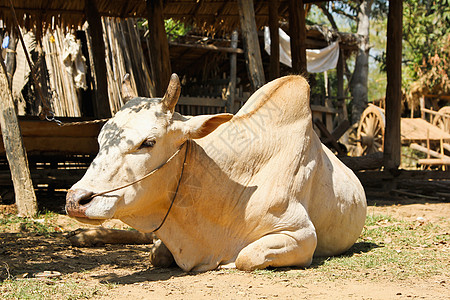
(86, 207)
(77, 202)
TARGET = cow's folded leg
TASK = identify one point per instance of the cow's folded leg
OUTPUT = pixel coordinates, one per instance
(278, 250)
(160, 256)
(100, 236)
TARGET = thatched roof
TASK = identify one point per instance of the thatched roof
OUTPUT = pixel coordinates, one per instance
(211, 15)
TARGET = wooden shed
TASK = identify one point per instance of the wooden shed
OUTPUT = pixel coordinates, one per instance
(210, 15)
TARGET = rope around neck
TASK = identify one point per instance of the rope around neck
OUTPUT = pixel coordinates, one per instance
(187, 142)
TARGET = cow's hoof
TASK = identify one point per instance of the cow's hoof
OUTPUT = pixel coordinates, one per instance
(227, 266)
(160, 256)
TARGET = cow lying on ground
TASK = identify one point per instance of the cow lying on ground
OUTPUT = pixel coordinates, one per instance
(257, 189)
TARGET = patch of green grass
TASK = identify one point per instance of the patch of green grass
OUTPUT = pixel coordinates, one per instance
(387, 248)
(42, 224)
(49, 289)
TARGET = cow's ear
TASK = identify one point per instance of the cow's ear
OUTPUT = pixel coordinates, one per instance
(172, 94)
(200, 126)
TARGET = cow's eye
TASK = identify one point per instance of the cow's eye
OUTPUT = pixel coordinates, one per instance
(148, 143)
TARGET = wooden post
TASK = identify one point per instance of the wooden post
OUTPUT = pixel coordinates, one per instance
(274, 65)
(422, 106)
(342, 108)
(251, 43)
(10, 59)
(159, 51)
(392, 139)
(15, 152)
(93, 18)
(231, 94)
(297, 32)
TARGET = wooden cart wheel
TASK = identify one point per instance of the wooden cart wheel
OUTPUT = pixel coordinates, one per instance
(441, 121)
(370, 132)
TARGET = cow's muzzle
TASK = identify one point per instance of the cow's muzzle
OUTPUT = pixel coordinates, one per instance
(76, 202)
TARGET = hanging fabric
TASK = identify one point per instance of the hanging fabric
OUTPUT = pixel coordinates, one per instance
(318, 60)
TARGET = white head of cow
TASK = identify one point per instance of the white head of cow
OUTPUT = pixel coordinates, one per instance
(143, 135)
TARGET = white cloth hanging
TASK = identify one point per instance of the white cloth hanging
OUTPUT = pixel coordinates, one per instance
(317, 60)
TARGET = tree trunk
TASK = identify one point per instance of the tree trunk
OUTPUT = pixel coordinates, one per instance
(251, 44)
(159, 47)
(15, 152)
(297, 32)
(358, 83)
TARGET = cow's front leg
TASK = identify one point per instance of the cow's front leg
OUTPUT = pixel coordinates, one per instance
(100, 236)
(160, 256)
(278, 250)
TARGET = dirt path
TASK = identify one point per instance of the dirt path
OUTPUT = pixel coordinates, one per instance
(294, 284)
(240, 285)
(123, 272)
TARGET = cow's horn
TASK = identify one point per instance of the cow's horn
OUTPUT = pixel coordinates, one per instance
(172, 94)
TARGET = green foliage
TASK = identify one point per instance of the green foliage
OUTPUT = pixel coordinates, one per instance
(344, 13)
(348, 10)
(175, 29)
(426, 33)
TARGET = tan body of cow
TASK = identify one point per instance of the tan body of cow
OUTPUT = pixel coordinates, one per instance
(260, 190)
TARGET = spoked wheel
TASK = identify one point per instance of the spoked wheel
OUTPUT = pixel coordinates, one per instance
(441, 121)
(370, 132)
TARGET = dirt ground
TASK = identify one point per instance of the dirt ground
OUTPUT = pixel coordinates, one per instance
(131, 276)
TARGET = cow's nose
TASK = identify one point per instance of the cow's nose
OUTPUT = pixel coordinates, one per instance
(76, 201)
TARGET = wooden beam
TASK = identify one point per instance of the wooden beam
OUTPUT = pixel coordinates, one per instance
(297, 32)
(251, 44)
(369, 177)
(427, 151)
(323, 129)
(274, 65)
(434, 161)
(201, 101)
(433, 112)
(446, 146)
(339, 130)
(324, 109)
(392, 138)
(209, 47)
(159, 47)
(366, 162)
(102, 108)
(47, 137)
(15, 152)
